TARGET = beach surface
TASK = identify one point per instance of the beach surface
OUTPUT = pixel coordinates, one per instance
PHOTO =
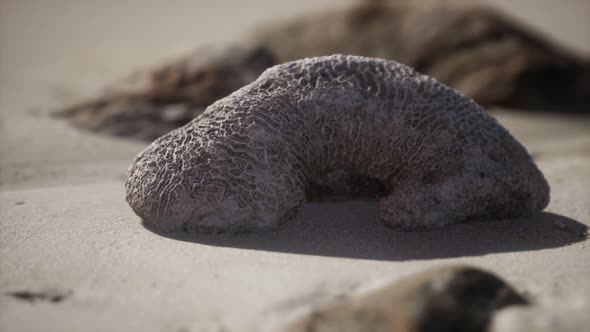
(74, 257)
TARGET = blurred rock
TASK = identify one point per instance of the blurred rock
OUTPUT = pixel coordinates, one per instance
(149, 104)
(475, 49)
(448, 298)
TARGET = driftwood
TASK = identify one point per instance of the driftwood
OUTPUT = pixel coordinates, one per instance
(477, 50)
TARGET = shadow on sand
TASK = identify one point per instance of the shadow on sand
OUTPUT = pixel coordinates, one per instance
(351, 230)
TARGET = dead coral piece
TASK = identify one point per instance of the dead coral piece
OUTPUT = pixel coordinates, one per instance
(444, 299)
(341, 123)
(475, 49)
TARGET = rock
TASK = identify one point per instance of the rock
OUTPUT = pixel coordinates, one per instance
(150, 104)
(481, 52)
(443, 299)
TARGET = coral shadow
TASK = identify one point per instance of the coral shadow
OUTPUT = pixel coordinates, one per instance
(351, 230)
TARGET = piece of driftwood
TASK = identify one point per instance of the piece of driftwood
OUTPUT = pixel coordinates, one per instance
(475, 49)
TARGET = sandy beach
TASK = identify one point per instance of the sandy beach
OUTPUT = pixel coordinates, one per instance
(67, 232)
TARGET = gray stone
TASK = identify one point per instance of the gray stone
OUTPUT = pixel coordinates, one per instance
(443, 299)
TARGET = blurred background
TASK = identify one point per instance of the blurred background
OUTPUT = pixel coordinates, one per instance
(57, 53)
(63, 214)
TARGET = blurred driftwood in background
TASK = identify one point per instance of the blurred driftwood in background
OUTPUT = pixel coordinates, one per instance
(476, 49)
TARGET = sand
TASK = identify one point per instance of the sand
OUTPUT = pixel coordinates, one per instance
(66, 229)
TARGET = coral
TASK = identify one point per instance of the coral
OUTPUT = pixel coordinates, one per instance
(344, 124)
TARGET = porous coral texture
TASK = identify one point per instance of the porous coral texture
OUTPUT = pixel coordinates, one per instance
(344, 124)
